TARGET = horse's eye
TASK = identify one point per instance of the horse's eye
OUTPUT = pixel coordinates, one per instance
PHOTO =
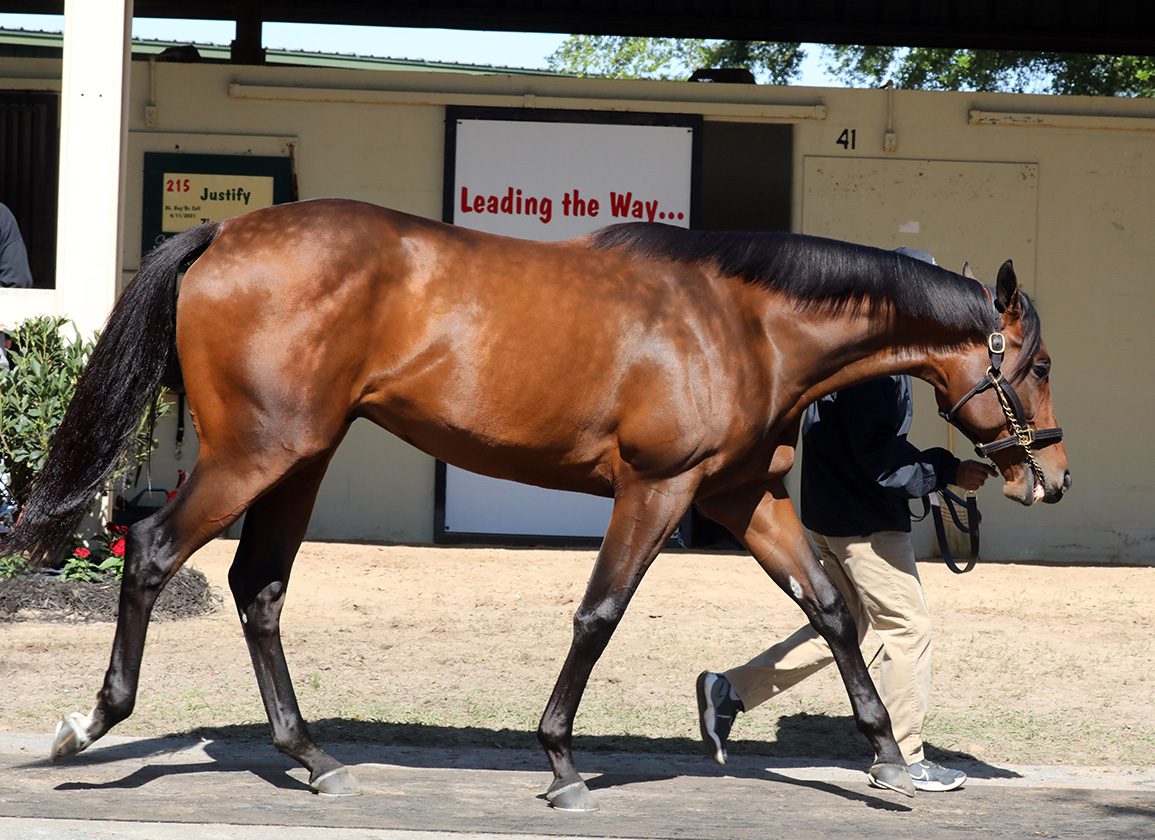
(1041, 369)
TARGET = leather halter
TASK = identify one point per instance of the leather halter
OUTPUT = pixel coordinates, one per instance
(1022, 434)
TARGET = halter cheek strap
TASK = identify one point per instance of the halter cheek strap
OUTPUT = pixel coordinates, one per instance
(1022, 435)
(997, 347)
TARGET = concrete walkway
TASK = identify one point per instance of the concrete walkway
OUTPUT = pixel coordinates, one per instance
(174, 789)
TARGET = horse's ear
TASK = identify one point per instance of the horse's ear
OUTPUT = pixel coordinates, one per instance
(967, 273)
(1007, 288)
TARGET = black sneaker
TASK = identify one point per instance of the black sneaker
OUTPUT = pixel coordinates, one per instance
(716, 713)
(927, 775)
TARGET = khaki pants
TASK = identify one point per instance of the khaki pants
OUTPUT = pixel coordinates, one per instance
(879, 580)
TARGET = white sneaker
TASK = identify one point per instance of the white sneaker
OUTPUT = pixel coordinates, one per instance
(927, 775)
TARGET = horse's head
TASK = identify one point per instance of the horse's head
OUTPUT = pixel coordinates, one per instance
(999, 394)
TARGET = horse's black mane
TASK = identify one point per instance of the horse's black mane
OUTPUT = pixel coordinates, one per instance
(829, 275)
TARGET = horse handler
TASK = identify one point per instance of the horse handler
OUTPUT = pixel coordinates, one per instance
(858, 473)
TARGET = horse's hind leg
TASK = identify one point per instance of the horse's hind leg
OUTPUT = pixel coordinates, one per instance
(259, 577)
(643, 519)
(155, 549)
(767, 524)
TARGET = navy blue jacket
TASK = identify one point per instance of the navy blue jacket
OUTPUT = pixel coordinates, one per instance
(14, 270)
(858, 469)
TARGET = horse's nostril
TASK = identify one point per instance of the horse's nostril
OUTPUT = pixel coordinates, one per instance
(1066, 480)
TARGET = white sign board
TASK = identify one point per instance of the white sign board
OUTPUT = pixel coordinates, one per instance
(549, 181)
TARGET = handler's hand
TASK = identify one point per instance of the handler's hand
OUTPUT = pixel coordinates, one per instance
(972, 475)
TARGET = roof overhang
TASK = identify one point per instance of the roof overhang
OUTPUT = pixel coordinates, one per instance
(1069, 26)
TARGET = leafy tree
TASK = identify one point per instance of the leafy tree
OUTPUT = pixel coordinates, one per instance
(921, 68)
(928, 68)
(628, 57)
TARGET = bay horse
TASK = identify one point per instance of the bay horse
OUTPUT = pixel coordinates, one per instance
(658, 366)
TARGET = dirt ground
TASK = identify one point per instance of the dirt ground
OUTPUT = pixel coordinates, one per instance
(1033, 664)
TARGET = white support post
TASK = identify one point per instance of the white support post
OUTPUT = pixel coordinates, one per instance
(93, 138)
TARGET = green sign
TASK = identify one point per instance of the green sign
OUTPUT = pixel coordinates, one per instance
(182, 191)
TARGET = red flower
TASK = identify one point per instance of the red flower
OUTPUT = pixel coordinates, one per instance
(117, 529)
(81, 552)
(117, 548)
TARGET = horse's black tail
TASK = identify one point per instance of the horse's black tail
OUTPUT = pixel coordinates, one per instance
(135, 349)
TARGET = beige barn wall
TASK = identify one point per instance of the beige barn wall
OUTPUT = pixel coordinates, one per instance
(1084, 252)
(1085, 255)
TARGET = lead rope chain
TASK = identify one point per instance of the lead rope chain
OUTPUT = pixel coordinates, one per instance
(1022, 434)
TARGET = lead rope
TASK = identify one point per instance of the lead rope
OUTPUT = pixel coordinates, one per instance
(933, 504)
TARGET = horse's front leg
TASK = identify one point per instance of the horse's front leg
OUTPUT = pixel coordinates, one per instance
(765, 521)
(644, 517)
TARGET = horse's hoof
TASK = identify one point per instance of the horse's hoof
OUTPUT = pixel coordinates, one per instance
(570, 796)
(71, 736)
(892, 777)
(338, 782)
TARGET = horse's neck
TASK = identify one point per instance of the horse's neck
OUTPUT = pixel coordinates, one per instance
(848, 349)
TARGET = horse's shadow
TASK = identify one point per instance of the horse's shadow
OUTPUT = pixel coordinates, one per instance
(615, 761)
(276, 777)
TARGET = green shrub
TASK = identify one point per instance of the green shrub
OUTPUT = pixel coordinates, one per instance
(10, 567)
(34, 393)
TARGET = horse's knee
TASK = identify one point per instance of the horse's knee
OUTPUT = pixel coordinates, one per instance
(597, 621)
(827, 611)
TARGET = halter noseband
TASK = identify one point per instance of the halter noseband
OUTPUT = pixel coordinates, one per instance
(1022, 435)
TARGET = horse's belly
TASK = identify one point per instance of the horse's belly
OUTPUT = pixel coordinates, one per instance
(488, 446)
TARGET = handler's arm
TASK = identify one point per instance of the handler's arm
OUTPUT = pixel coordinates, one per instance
(871, 415)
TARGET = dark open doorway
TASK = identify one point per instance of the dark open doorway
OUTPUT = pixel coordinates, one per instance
(29, 162)
(746, 173)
